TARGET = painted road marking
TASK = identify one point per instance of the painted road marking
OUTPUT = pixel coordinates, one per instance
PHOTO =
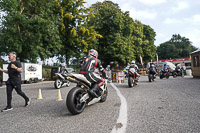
(120, 126)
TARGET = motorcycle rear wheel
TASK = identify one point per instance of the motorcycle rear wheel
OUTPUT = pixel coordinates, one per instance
(104, 96)
(73, 101)
(130, 82)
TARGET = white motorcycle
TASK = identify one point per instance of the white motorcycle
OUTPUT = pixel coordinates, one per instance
(79, 96)
(61, 80)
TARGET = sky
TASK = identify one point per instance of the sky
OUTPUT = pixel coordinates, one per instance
(166, 17)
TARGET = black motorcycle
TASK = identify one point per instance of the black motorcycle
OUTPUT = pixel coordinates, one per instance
(178, 72)
(61, 80)
(79, 96)
(151, 75)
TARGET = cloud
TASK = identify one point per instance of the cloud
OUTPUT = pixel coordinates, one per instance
(180, 6)
(193, 35)
(141, 15)
(152, 2)
(196, 19)
(171, 21)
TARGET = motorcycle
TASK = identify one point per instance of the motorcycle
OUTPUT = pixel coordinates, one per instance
(61, 79)
(178, 72)
(132, 78)
(151, 75)
(164, 74)
(79, 96)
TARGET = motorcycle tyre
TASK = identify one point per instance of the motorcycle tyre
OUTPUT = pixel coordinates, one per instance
(58, 84)
(161, 76)
(175, 75)
(73, 95)
(104, 96)
(130, 82)
(150, 79)
(167, 76)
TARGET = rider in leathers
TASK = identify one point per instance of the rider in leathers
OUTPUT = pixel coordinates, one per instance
(89, 66)
(152, 69)
(133, 65)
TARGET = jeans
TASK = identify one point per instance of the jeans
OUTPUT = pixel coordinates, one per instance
(10, 85)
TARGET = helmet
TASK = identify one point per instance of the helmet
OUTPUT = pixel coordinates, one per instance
(132, 62)
(93, 52)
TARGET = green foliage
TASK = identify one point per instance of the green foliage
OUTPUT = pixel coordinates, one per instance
(176, 47)
(66, 28)
(75, 34)
(149, 49)
(123, 38)
(30, 29)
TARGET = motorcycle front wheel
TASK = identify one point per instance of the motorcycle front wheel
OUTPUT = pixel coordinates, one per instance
(150, 77)
(175, 75)
(68, 83)
(167, 76)
(130, 82)
(161, 76)
(58, 83)
(73, 101)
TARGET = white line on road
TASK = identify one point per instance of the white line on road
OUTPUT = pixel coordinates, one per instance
(120, 126)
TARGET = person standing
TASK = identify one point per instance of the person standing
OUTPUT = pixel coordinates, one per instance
(14, 81)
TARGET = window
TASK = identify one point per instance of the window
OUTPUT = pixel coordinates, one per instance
(196, 61)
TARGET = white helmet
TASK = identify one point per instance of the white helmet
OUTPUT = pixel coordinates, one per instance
(93, 52)
(132, 62)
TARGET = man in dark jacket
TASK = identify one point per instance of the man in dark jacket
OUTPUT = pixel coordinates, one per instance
(14, 81)
(89, 69)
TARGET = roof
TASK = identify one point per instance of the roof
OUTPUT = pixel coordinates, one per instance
(196, 51)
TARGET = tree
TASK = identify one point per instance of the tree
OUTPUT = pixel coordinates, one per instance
(176, 47)
(76, 35)
(30, 29)
(149, 49)
(123, 38)
(115, 27)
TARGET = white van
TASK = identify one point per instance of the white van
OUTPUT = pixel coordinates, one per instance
(160, 66)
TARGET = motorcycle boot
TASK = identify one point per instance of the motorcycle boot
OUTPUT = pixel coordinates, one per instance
(94, 91)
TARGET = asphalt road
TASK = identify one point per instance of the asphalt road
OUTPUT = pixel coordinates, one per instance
(163, 106)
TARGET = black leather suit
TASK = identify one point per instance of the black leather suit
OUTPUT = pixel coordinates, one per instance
(88, 70)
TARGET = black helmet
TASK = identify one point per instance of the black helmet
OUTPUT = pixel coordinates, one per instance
(93, 52)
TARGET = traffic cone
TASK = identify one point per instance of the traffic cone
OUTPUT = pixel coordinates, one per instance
(119, 81)
(40, 94)
(59, 96)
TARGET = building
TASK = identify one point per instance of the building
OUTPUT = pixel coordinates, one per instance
(195, 63)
